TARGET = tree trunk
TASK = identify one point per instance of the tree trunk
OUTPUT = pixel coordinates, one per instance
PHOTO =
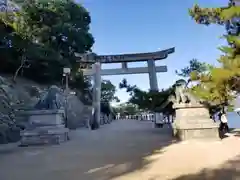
(18, 69)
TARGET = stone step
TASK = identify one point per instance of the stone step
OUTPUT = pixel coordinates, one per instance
(51, 136)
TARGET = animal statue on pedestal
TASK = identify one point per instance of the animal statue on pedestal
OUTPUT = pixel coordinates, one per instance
(182, 96)
(53, 99)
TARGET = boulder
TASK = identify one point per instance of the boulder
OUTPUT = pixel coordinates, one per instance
(74, 112)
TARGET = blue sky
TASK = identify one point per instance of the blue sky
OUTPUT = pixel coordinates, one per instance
(132, 26)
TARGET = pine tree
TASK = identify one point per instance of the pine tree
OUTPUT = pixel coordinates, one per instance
(220, 84)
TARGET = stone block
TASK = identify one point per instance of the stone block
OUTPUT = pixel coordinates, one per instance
(46, 117)
(195, 133)
(46, 127)
(193, 122)
(46, 135)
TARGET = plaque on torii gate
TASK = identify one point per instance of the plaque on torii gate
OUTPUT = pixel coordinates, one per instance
(95, 70)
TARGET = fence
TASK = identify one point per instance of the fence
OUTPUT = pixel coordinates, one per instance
(148, 117)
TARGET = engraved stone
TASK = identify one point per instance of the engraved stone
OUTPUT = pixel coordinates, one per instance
(47, 120)
(193, 121)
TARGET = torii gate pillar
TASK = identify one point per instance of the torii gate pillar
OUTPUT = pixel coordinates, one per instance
(96, 101)
(97, 94)
(152, 75)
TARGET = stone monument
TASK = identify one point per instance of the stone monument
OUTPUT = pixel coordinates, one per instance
(46, 120)
(192, 117)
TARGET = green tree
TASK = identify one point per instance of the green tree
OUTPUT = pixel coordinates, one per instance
(118, 109)
(194, 65)
(220, 84)
(18, 38)
(63, 25)
(130, 109)
(145, 100)
(106, 108)
(44, 37)
(108, 91)
(127, 109)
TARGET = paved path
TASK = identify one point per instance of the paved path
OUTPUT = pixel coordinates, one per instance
(109, 152)
(123, 150)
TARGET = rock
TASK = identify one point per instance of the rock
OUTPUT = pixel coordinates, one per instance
(10, 93)
(3, 80)
(34, 91)
(74, 112)
(3, 133)
(11, 96)
(9, 132)
(13, 134)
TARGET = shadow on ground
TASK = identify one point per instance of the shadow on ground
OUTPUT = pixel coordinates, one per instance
(230, 170)
(110, 152)
(235, 131)
(129, 154)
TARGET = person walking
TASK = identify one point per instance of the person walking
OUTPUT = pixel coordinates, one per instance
(224, 122)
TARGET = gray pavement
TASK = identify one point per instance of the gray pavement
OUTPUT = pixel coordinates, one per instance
(112, 151)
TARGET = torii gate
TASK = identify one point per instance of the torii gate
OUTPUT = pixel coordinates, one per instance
(97, 72)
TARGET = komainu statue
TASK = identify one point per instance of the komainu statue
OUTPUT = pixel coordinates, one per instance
(182, 95)
(180, 88)
(52, 100)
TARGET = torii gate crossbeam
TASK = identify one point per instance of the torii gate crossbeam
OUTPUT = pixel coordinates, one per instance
(120, 71)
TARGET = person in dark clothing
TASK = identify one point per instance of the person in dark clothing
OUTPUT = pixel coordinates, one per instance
(224, 122)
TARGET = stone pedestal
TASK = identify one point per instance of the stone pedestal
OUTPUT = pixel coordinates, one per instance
(193, 122)
(46, 127)
(158, 120)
